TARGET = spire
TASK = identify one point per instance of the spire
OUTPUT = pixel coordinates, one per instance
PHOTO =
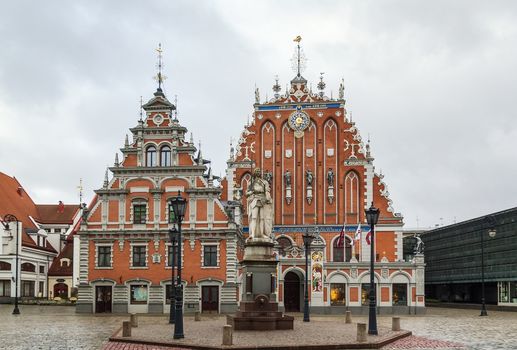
(106, 182)
(159, 77)
(298, 62)
(116, 160)
(277, 88)
(210, 177)
(232, 150)
(141, 109)
(257, 95)
(80, 188)
(199, 156)
(191, 138)
(126, 142)
(176, 109)
(321, 85)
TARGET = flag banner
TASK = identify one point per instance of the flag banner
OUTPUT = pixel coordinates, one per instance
(357, 234)
(369, 237)
(341, 239)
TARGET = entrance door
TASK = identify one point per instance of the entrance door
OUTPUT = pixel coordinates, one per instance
(292, 292)
(210, 299)
(102, 299)
(60, 290)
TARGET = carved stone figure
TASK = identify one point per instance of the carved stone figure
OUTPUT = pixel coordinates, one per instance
(419, 247)
(268, 176)
(260, 208)
(330, 177)
(287, 178)
(309, 177)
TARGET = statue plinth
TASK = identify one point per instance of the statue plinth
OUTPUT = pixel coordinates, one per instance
(258, 308)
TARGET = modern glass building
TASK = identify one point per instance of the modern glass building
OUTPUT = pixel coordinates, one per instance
(454, 263)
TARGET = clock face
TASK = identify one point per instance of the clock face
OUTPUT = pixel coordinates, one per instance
(299, 121)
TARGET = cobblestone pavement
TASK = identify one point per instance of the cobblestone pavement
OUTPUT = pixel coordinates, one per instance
(54, 327)
(60, 328)
(496, 331)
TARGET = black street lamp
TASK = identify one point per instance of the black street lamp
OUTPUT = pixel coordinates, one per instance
(490, 220)
(178, 205)
(307, 240)
(8, 219)
(173, 238)
(372, 216)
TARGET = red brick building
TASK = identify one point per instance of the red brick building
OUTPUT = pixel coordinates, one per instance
(322, 177)
(125, 252)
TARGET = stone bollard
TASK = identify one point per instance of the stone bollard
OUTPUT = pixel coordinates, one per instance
(134, 320)
(361, 332)
(227, 335)
(395, 324)
(197, 316)
(348, 317)
(126, 329)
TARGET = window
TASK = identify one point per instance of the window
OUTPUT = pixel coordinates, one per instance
(340, 253)
(365, 293)
(5, 288)
(172, 217)
(4, 266)
(139, 213)
(285, 244)
(139, 256)
(169, 255)
(28, 267)
(210, 255)
(42, 269)
(165, 156)
(337, 294)
(138, 294)
(27, 289)
(57, 230)
(351, 197)
(168, 293)
(150, 156)
(41, 292)
(508, 292)
(399, 294)
(103, 256)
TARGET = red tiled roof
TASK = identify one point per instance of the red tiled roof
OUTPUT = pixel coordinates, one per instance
(56, 214)
(56, 269)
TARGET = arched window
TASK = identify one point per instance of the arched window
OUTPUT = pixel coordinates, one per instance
(284, 244)
(5, 266)
(150, 156)
(352, 197)
(165, 156)
(28, 267)
(341, 253)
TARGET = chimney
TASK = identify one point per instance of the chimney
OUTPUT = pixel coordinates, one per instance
(19, 190)
(60, 207)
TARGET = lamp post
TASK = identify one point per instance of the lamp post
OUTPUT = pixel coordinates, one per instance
(372, 216)
(8, 219)
(307, 240)
(178, 206)
(172, 238)
(490, 220)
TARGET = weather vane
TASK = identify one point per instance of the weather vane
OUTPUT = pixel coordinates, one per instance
(141, 104)
(299, 60)
(160, 77)
(80, 188)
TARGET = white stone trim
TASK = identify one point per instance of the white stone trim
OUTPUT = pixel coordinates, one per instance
(138, 244)
(212, 244)
(97, 245)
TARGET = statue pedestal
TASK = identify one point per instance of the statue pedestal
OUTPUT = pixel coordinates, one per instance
(258, 308)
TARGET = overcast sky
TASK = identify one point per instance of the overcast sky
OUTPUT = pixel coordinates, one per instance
(434, 83)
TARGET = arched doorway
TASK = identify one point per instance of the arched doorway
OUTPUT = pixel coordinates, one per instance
(292, 291)
(61, 290)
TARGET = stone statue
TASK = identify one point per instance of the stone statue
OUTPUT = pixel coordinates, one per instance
(309, 177)
(260, 208)
(419, 248)
(287, 178)
(268, 176)
(257, 95)
(330, 177)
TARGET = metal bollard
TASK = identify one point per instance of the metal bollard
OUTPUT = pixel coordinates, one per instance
(227, 335)
(361, 332)
(134, 320)
(126, 329)
(395, 324)
(348, 317)
(197, 316)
